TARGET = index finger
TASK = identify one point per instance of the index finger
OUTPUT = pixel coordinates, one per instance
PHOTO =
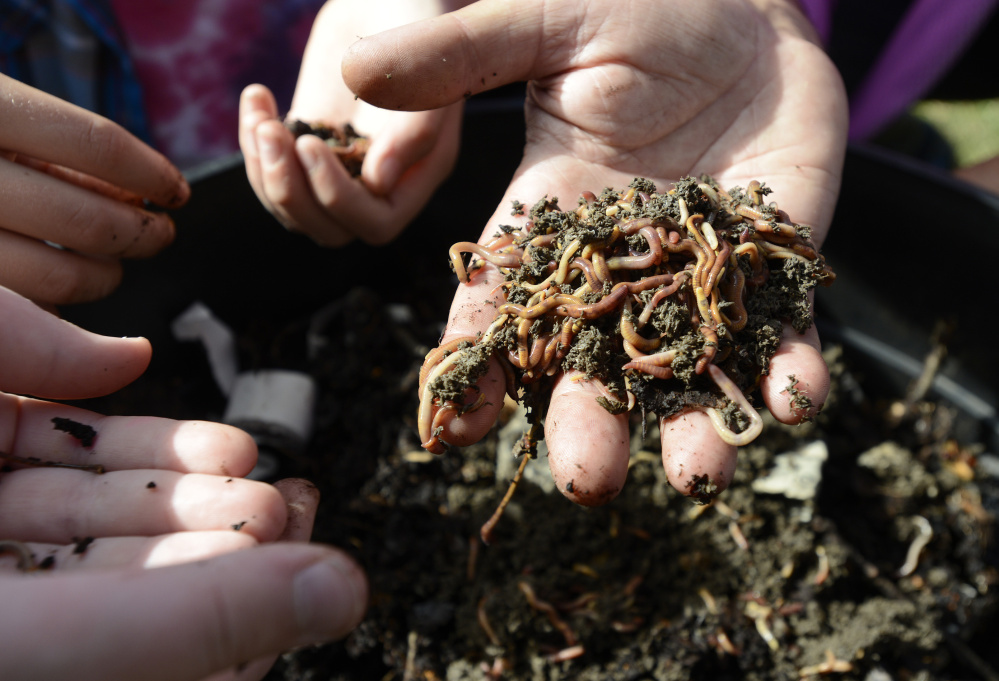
(52, 130)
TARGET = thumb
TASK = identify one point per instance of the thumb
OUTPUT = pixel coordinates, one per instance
(182, 622)
(44, 356)
(438, 61)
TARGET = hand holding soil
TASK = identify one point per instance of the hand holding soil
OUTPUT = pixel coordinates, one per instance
(72, 178)
(89, 504)
(611, 98)
(302, 181)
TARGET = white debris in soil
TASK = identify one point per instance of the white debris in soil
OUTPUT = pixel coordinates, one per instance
(796, 474)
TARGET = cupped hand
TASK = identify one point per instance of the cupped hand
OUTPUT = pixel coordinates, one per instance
(658, 89)
(72, 192)
(164, 565)
(303, 183)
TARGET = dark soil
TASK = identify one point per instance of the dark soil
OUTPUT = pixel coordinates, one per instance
(755, 586)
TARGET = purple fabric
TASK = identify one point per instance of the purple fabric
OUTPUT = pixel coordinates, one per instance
(928, 41)
(820, 12)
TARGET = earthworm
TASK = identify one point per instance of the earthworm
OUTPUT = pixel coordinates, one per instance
(659, 295)
(600, 266)
(449, 411)
(510, 377)
(736, 322)
(555, 302)
(435, 355)
(651, 369)
(710, 348)
(586, 267)
(523, 338)
(732, 392)
(425, 416)
(629, 333)
(720, 262)
(583, 310)
(709, 234)
(640, 262)
(760, 272)
(749, 212)
(543, 240)
(498, 259)
(633, 226)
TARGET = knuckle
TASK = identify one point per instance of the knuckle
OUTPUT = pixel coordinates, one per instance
(87, 226)
(103, 142)
(74, 283)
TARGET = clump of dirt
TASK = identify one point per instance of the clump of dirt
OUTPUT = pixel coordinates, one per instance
(345, 142)
(673, 300)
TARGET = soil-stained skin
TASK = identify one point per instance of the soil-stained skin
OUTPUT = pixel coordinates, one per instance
(673, 302)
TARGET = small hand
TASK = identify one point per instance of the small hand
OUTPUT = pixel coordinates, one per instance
(731, 88)
(72, 178)
(162, 567)
(303, 183)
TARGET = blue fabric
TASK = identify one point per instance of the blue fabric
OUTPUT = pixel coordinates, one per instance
(42, 45)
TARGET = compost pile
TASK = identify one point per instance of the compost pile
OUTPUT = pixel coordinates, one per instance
(636, 288)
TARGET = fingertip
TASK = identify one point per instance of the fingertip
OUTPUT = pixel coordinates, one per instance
(181, 194)
(258, 98)
(471, 427)
(798, 383)
(698, 463)
(588, 447)
(330, 598)
(302, 499)
(213, 448)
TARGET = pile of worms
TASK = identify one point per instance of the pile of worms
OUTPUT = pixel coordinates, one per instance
(674, 301)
